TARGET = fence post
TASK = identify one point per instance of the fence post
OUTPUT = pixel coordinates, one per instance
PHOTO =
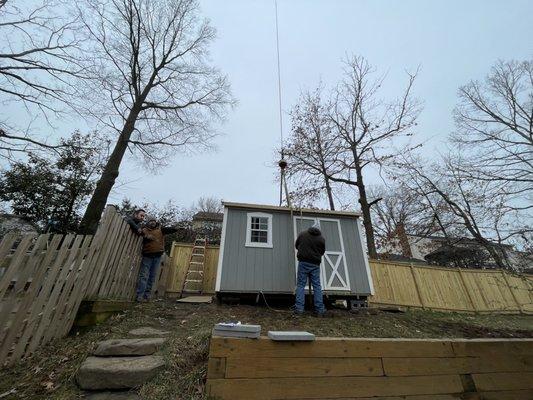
(512, 292)
(417, 285)
(466, 289)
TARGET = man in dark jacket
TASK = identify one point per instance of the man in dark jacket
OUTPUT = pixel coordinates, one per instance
(135, 221)
(153, 248)
(311, 246)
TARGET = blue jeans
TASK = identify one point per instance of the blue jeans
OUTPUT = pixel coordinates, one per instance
(147, 274)
(312, 271)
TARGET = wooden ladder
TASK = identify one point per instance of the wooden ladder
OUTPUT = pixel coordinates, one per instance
(195, 270)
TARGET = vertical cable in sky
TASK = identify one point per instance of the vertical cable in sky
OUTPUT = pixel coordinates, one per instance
(279, 78)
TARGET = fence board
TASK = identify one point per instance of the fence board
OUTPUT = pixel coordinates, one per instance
(35, 297)
(44, 278)
(179, 256)
(451, 289)
(65, 298)
(125, 267)
(57, 284)
(16, 299)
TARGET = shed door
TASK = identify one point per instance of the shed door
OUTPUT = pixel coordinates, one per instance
(333, 270)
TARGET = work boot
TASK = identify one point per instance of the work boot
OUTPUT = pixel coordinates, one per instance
(297, 314)
(324, 314)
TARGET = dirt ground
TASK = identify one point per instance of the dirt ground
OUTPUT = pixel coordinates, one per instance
(49, 374)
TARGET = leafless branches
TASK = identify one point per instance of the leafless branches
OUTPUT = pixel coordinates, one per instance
(477, 208)
(495, 124)
(312, 149)
(150, 84)
(148, 61)
(406, 208)
(208, 204)
(337, 138)
(36, 64)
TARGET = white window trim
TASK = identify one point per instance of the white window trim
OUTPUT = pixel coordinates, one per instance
(221, 255)
(249, 242)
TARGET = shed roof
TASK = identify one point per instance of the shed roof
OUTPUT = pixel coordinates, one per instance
(294, 210)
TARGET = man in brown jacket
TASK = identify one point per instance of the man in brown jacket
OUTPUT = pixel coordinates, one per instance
(153, 248)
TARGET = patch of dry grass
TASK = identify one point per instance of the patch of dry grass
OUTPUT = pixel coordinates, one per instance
(49, 373)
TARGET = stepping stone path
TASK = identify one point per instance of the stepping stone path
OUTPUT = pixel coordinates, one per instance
(122, 364)
(128, 347)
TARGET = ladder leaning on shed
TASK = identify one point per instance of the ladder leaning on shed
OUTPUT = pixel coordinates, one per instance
(194, 277)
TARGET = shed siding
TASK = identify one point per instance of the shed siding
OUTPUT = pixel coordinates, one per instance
(359, 282)
(253, 269)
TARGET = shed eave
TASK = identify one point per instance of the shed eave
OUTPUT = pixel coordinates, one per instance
(294, 210)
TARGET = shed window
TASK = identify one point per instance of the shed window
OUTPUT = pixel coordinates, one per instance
(259, 230)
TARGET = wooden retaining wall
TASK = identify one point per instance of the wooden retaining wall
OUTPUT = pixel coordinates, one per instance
(380, 369)
(401, 284)
(44, 278)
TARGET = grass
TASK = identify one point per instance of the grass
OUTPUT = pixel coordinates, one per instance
(49, 373)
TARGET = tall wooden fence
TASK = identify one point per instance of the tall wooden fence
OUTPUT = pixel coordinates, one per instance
(44, 278)
(451, 289)
(179, 258)
(401, 284)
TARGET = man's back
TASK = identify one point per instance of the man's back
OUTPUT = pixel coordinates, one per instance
(311, 246)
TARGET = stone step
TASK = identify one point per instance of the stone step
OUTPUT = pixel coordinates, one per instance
(129, 347)
(112, 396)
(148, 331)
(109, 373)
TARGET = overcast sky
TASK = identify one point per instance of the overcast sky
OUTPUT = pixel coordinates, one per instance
(452, 42)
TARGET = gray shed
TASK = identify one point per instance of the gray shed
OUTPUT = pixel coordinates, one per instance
(257, 250)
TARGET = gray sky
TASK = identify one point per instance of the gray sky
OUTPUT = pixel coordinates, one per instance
(452, 41)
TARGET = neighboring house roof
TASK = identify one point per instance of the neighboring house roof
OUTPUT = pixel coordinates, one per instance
(294, 210)
(208, 216)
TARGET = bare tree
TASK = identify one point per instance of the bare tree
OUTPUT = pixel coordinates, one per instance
(495, 123)
(36, 63)
(402, 212)
(479, 208)
(335, 140)
(208, 204)
(311, 150)
(152, 84)
(367, 126)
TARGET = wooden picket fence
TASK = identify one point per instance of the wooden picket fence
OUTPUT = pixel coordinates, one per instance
(44, 278)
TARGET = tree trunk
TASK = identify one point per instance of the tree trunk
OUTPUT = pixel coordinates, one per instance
(329, 193)
(494, 253)
(365, 208)
(96, 206)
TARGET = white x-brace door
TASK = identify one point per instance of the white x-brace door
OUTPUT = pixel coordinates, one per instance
(333, 269)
